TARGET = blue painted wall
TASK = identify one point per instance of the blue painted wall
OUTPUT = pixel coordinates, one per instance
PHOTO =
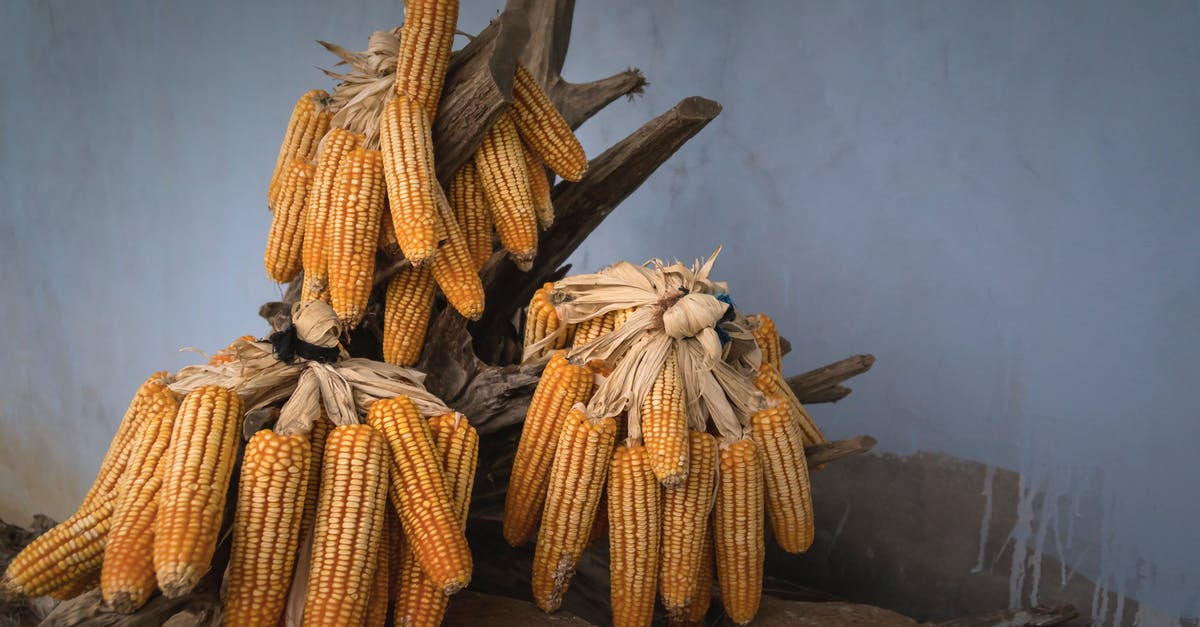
(1000, 200)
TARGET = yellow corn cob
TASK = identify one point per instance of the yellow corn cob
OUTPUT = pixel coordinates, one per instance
(738, 530)
(772, 385)
(309, 121)
(542, 320)
(544, 129)
(686, 511)
(539, 188)
(504, 177)
(229, 353)
(406, 137)
(388, 244)
(81, 585)
(406, 310)
(336, 145)
(266, 528)
(194, 485)
(767, 338)
(350, 521)
(577, 478)
(127, 579)
(455, 272)
(69, 552)
(282, 258)
(378, 603)
(471, 212)
(664, 425)
(421, 494)
(785, 477)
(425, 41)
(420, 601)
(123, 442)
(635, 519)
(316, 454)
(357, 207)
(562, 385)
(597, 326)
(701, 594)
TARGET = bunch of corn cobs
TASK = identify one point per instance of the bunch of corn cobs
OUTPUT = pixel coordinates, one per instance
(629, 430)
(356, 174)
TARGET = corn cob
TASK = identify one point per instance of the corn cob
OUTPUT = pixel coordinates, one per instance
(123, 441)
(350, 520)
(406, 310)
(504, 177)
(455, 272)
(229, 353)
(309, 121)
(316, 454)
(357, 207)
(420, 600)
(539, 188)
(378, 603)
(767, 338)
(635, 519)
(595, 327)
(701, 594)
(772, 385)
(421, 494)
(664, 425)
(542, 320)
(82, 584)
(738, 530)
(266, 528)
(562, 385)
(785, 477)
(64, 555)
(406, 138)
(471, 212)
(337, 144)
(195, 481)
(686, 512)
(127, 579)
(282, 258)
(425, 41)
(577, 479)
(544, 129)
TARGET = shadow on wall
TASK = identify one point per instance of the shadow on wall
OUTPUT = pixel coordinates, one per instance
(936, 537)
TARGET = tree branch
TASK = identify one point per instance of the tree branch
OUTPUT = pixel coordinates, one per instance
(832, 451)
(817, 383)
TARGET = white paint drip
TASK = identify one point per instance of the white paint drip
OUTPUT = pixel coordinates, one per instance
(837, 532)
(1021, 532)
(989, 478)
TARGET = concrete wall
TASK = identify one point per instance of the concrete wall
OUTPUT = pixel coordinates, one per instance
(997, 199)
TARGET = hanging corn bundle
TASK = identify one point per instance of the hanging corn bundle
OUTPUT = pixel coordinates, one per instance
(675, 362)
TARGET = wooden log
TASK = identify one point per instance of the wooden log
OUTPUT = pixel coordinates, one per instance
(827, 395)
(832, 451)
(817, 383)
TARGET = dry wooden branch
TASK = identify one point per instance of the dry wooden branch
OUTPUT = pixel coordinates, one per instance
(828, 395)
(818, 383)
(832, 451)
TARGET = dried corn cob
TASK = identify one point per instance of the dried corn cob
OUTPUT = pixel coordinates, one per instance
(562, 385)
(127, 579)
(123, 441)
(421, 494)
(472, 213)
(420, 600)
(378, 603)
(454, 270)
(767, 338)
(504, 177)
(595, 327)
(350, 520)
(539, 188)
(64, 555)
(772, 385)
(337, 144)
(406, 138)
(577, 479)
(686, 512)
(544, 129)
(266, 528)
(635, 519)
(357, 206)
(664, 425)
(194, 484)
(541, 320)
(738, 529)
(388, 245)
(406, 310)
(425, 41)
(282, 258)
(701, 594)
(81, 585)
(785, 475)
(309, 121)
(229, 353)
(316, 454)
